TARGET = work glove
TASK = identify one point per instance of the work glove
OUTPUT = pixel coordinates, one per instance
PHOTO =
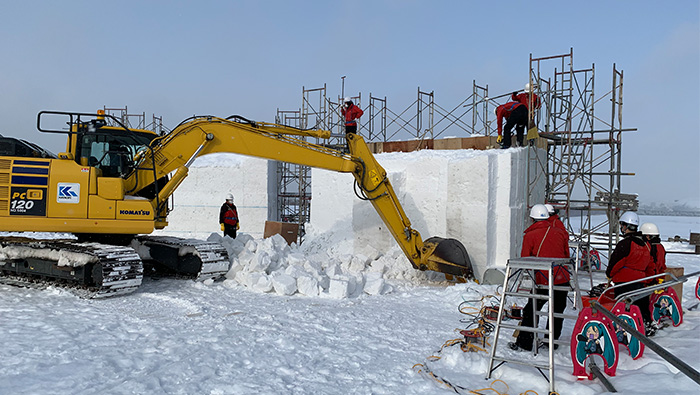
(660, 291)
(238, 226)
(222, 226)
(499, 139)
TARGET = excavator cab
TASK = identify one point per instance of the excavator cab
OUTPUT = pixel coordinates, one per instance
(98, 140)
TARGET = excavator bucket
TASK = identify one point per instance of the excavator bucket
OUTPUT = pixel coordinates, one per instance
(447, 256)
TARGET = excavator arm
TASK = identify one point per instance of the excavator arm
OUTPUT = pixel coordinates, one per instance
(173, 154)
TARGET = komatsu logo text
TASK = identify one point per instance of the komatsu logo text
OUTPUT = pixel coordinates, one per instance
(134, 212)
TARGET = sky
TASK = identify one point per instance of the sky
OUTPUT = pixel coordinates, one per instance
(177, 58)
(254, 333)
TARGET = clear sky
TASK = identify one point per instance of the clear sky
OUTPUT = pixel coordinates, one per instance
(179, 58)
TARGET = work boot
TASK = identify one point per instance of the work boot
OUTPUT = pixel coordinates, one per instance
(545, 343)
(517, 347)
(650, 328)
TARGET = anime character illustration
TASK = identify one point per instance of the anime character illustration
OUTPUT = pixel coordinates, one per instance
(593, 334)
(593, 258)
(635, 348)
(666, 306)
(631, 316)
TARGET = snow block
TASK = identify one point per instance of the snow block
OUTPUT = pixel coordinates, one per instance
(339, 288)
(374, 283)
(259, 282)
(307, 286)
(283, 284)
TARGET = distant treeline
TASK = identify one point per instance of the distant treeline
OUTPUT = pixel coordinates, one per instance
(675, 210)
(670, 213)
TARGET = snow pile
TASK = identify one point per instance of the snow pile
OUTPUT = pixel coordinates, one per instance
(477, 197)
(63, 257)
(270, 265)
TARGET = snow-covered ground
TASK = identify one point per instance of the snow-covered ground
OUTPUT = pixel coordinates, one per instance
(357, 333)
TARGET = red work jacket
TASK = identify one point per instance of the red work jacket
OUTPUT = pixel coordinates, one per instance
(503, 111)
(630, 259)
(524, 98)
(544, 240)
(555, 221)
(351, 113)
(658, 261)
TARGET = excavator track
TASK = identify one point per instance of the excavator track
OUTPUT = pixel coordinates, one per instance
(190, 258)
(90, 270)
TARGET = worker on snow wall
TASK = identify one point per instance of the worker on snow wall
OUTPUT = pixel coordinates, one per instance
(530, 99)
(352, 114)
(515, 114)
(543, 239)
(629, 262)
(228, 217)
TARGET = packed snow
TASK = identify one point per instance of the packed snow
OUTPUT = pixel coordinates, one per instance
(339, 328)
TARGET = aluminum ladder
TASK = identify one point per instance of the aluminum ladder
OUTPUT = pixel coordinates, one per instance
(516, 270)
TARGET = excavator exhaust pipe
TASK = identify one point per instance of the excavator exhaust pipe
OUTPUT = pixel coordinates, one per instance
(447, 256)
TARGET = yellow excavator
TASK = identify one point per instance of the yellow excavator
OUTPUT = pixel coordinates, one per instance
(111, 189)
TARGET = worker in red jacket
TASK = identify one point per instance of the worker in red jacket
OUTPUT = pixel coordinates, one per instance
(515, 114)
(527, 97)
(629, 262)
(352, 114)
(650, 232)
(228, 217)
(544, 240)
(554, 217)
(530, 99)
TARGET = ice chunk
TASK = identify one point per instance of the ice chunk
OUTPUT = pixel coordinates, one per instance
(283, 284)
(307, 286)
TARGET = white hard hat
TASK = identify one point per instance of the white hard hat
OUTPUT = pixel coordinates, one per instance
(550, 208)
(527, 87)
(539, 211)
(229, 196)
(650, 229)
(630, 218)
(347, 100)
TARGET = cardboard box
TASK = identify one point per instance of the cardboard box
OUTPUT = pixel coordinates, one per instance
(289, 231)
(677, 271)
(694, 238)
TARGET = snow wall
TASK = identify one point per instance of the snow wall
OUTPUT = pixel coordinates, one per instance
(477, 197)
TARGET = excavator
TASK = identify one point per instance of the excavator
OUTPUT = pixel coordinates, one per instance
(111, 189)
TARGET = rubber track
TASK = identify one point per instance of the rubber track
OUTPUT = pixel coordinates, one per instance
(213, 256)
(122, 268)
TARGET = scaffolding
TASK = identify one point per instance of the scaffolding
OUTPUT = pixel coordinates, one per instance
(581, 168)
(583, 163)
(134, 121)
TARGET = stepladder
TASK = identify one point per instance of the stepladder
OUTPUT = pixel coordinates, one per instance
(519, 283)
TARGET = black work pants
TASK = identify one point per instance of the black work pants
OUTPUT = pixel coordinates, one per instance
(517, 118)
(525, 338)
(230, 231)
(642, 303)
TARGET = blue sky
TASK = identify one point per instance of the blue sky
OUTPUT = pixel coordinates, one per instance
(180, 58)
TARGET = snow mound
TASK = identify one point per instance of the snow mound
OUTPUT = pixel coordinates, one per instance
(321, 267)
